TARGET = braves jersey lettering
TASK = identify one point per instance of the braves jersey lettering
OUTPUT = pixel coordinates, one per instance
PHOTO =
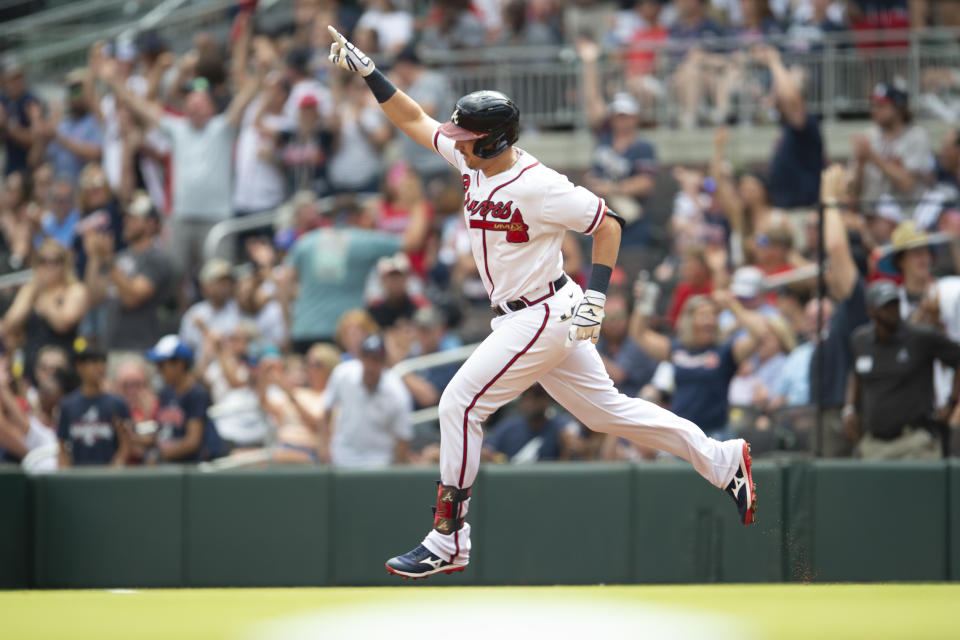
(517, 220)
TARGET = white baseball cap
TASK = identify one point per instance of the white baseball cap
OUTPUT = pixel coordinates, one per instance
(624, 104)
(747, 282)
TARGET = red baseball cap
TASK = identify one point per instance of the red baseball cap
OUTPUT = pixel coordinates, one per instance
(308, 100)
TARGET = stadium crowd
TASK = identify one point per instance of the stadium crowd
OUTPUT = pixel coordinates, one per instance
(140, 338)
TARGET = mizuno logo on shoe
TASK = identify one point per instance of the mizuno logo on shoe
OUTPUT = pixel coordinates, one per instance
(433, 563)
(737, 485)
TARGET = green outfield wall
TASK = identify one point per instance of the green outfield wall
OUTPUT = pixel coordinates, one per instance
(538, 524)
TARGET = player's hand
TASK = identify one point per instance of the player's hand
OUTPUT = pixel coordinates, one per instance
(344, 53)
(587, 316)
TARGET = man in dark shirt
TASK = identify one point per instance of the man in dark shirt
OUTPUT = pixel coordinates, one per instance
(134, 283)
(17, 108)
(890, 396)
(94, 426)
(798, 157)
(846, 289)
(628, 365)
(184, 431)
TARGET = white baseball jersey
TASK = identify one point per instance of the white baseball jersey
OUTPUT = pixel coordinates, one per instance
(516, 220)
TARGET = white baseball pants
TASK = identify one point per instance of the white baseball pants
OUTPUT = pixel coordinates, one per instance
(528, 346)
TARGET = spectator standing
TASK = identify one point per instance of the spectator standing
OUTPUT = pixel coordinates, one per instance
(217, 312)
(49, 307)
(303, 84)
(330, 266)
(847, 293)
(391, 28)
(304, 152)
(890, 395)
(431, 90)
(704, 364)
(185, 432)
(77, 138)
(696, 279)
(201, 157)
(893, 156)
(700, 67)
(20, 110)
(402, 192)
(372, 425)
(94, 426)
(797, 160)
(20, 432)
(623, 165)
(133, 283)
(360, 135)
(99, 211)
(259, 182)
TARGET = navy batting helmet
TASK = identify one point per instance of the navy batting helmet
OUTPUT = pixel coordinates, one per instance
(489, 117)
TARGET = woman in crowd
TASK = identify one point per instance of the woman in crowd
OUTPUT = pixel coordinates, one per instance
(18, 217)
(703, 362)
(49, 307)
(352, 329)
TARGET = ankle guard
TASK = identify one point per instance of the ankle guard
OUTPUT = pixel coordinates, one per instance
(446, 518)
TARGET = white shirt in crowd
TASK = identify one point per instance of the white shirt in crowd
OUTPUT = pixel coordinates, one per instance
(222, 321)
(202, 167)
(367, 424)
(259, 183)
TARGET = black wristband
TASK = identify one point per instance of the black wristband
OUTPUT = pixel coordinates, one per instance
(381, 87)
(600, 278)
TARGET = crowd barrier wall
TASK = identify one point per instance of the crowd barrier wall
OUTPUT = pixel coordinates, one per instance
(540, 524)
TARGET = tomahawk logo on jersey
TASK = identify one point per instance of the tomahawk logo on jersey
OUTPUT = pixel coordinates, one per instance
(517, 219)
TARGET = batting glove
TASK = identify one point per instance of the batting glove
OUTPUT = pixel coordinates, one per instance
(587, 316)
(344, 53)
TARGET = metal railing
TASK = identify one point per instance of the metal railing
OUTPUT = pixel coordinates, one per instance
(838, 73)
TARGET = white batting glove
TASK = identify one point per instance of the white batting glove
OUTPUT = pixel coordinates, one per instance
(587, 316)
(344, 53)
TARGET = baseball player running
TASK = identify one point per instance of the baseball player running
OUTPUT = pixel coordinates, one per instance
(517, 211)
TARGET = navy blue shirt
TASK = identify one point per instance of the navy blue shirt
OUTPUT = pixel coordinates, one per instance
(634, 361)
(796, 165)
(88, 426)
(702, 378)
(639, 157)
(176, 410)
(838, 354)
(439, 376)
(513, 433)
(16, 110)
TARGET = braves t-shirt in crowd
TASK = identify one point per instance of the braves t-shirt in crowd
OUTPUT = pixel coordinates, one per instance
(174, 413)
(796, 165)
(88, 426)
(702, 378)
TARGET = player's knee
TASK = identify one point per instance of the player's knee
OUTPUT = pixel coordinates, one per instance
(449, 405)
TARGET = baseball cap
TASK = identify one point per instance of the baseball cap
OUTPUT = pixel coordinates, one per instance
(373, 345)
(397, 263)
(125, 51)
(888, 208)
(887, 94)
(141, 206)
(308, 100)
(170, 347)
(882, 292)
(624, 104)
(214, 269)
(747, 282)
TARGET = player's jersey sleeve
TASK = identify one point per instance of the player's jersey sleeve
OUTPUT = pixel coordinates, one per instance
(572, 207)
(446, 148)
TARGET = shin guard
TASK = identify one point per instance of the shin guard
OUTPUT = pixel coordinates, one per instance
(446, 515)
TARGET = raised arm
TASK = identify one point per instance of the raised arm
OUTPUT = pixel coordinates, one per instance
(789, 98)
(400, 108)
(149, 112)
(752, 321)
(842, 275)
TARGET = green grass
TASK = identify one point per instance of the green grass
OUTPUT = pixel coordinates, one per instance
(811, 612)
